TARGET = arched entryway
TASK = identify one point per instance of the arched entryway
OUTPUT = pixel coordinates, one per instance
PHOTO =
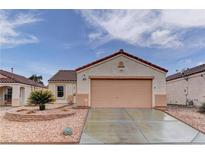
(6, 95)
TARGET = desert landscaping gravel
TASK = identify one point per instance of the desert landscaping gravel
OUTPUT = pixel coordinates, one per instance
(188, 115)
(42, 131)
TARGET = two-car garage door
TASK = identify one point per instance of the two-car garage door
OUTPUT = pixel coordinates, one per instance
(121, 93)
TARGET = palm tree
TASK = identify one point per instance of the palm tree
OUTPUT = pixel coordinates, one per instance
(41, 97)
(37, 78)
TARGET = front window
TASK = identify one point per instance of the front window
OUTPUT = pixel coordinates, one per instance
(8, 95)
(60, 91)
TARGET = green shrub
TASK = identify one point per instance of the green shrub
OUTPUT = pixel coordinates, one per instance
(190, 102)
(202, 108)
(41, 97)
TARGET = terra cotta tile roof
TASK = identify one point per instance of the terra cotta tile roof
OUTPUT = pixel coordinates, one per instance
(64, 75)
(71, 75)
(6, 80)
(121, 51)
(188, 72)
(15, 78)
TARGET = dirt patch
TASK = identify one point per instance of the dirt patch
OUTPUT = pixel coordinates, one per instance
(191, 116)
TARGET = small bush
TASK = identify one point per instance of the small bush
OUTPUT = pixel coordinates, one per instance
(190, 102)
(202, 108)
(41, 97)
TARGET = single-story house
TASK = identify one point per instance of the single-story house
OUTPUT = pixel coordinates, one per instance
(186, 86)
(118, 80)
(15, 89)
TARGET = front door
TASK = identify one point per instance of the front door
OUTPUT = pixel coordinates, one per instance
(8, 96)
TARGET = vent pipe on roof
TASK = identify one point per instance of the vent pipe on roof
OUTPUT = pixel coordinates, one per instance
(12, 71)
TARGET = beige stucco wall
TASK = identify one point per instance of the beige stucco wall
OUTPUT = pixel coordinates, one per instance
(69, 90)
(133, 68)
(16, 99)
(176, 90)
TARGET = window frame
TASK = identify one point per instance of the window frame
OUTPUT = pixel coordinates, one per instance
(63, 91)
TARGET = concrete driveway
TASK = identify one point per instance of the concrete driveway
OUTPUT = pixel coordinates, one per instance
(132, 126)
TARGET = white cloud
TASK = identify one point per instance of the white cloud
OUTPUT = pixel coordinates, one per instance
(184, 18)
(200, 63)
(146, 28)
(10, 35)
(100, 53)
(94, 36)
(185, 61)
(164, 38)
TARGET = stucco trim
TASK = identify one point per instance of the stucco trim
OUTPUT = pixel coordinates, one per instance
(97, 64)
(121, 52)
(121, 77)
(149, 66)
(130, 58)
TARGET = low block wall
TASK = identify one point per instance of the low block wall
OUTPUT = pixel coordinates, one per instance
(12, 116)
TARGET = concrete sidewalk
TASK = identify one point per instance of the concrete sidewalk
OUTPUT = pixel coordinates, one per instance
(136, 126)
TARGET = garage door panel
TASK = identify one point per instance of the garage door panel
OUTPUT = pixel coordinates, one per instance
(121, 93)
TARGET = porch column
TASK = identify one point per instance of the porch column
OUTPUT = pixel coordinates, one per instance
(1, 96)
(27, 94)
(16, 95)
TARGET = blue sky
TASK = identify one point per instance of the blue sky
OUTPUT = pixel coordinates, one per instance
(43, 41)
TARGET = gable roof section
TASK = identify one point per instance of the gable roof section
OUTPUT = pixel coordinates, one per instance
(15, 78)
(188, 72)
(64, 75)
(121, 51)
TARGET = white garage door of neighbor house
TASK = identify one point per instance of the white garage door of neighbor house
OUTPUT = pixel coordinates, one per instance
(121, 93)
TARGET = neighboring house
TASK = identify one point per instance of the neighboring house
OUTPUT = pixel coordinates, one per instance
(15, 89)
(63, 85)
(186, 86)
(118, 80)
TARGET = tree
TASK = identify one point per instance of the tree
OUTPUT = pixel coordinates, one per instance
(36, 78)
(41, 97)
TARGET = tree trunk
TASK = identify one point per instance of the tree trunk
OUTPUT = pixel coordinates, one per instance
(42, 106)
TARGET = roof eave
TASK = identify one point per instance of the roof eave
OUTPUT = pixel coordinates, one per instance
(118, 53)
(62, 80)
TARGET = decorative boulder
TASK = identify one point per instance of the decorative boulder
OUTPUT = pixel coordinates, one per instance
(67, 131)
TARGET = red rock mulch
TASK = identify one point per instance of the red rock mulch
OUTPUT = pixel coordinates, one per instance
(48, 132)
(188, 115)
